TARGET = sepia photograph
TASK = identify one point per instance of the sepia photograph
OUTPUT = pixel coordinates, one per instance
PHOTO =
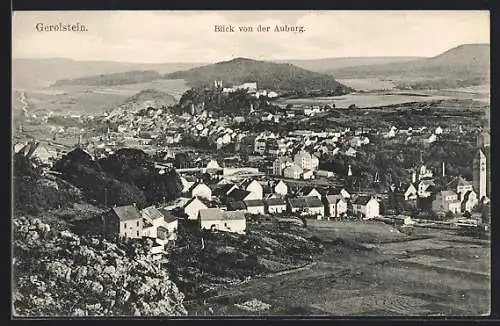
(194, 164)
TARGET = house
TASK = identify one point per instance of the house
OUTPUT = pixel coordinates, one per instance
(325, 173)
(255, 206)
(425, 188)
(401, 220)
(335, 205)
(469, 201)
(170, 222)
(461, 186)
(366, 207)
(217, 219)
(152, 219)
(293, 172)
(306, 206)
(199, 189)
(275, 205)
(124, 221)
(411, 193)
(340, 191)
(307, 174)
(253, 186)
(438, 131)
(310, 192)
(221, 191)
(281, 188)
(193, 207)
(446, 201)
(241, 195)
(305, 160)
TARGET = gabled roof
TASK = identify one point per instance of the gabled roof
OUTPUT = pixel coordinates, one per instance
(333, 199)
(362, 200)
(126, 213)
(192, 200)
(305, 202)
(239, 194)
(196, 184)
(213, 214)
(254, 202)
(146, 223)
(307, 189)
(151, 213)
(221, 190)
(168, 216)
(275, 201)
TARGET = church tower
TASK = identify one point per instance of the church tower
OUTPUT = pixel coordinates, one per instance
(480, 174)
(481, 167)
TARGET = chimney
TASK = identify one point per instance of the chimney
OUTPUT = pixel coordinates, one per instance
(349, 172)
(413, 177)
(134, 204)
(444, 171)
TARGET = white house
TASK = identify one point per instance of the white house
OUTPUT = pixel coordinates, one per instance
(217, 219)
(200, 190)
(293, 172)
(124, 221)
(255, 206)
(366, 207)
(281, 188)
(275, 205)
(192, 208)
(335, 205)
(306, 206)
(446, 201)
(253, 186)
(310, 192)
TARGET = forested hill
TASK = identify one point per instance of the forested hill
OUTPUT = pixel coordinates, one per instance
(276, 76)
(120, 78)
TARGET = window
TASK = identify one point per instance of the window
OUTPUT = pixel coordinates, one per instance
(125, 234)
(137, 231)
(125, 225)
(137, 223)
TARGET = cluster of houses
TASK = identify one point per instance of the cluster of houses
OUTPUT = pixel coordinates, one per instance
(129, 222)
(458, 196)
(250, 196)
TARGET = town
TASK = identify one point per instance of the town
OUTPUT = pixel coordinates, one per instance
(279, 173)
(252, 174)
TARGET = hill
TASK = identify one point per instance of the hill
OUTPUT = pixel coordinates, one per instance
(140, 101)
(119, 78)
(328, 64)
(35, 73)
(277, 76)
(469, 64)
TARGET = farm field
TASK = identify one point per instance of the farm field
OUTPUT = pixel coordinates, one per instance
(93, 99)
(384, 278)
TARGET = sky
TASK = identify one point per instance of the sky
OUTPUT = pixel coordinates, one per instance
(189, 36)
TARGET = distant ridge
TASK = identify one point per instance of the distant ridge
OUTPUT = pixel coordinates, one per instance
(460, 61)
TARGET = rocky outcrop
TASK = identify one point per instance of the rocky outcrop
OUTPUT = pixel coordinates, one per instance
(61, 274)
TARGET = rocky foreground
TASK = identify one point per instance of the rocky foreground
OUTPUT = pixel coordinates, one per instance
(61, 274)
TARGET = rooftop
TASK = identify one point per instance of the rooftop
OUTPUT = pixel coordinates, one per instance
(126, 213)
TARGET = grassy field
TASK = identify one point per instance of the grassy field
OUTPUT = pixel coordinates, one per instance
(381, 280)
